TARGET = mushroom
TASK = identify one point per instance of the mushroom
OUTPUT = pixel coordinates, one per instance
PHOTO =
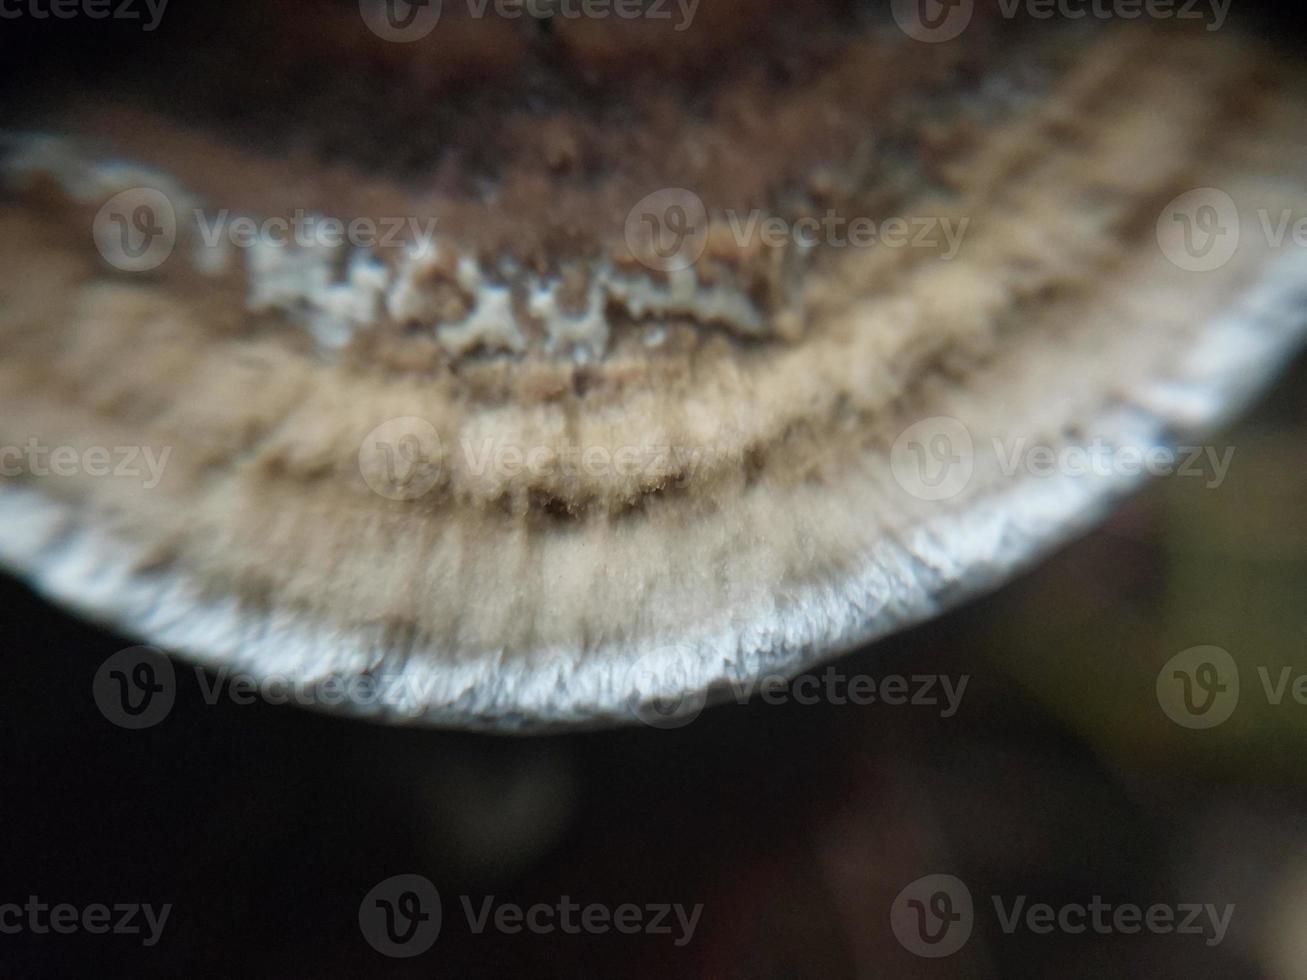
(537, 371)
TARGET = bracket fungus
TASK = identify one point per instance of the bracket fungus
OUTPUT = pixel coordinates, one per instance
(535, 370)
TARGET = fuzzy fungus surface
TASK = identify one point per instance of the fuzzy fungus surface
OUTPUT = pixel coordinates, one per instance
(586, 397)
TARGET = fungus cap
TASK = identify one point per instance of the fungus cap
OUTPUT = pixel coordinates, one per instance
(535, 395)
